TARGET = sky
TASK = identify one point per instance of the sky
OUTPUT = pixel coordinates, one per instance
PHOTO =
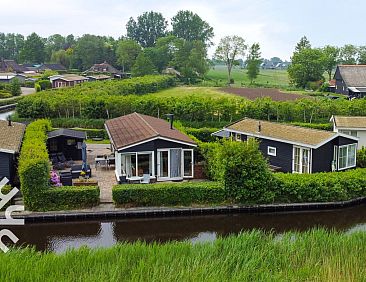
(277, 25)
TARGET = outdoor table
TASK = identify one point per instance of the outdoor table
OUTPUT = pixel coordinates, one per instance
(101, 161)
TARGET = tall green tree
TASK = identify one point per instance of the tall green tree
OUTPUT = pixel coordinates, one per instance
(143, 66)
(253, 62)
(62, 57)
(54, 43)
(331, 58)
(348, 54)
(127, 52)
(147, 28)
(228, 51)
(33, 49)
(362, 55)
(11, 45)
(304, 43)
(191, 27)
(307, 66)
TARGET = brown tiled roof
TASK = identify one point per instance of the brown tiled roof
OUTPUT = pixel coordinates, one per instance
(72, 77)
(353, 75)
(134, 128)
(285, 132)
(11, 136)
(350, 122)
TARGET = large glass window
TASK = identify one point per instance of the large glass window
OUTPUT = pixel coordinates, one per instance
(349, 132)
(136, 164)
(301, 160)
(188, 163)
(164, 160)
(144, 164)
(347, 156)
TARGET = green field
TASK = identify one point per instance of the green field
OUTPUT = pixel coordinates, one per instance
(275, 78)
(252, 256)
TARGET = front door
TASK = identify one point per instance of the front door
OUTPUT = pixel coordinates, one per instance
(301, 160)
(169, 164)
(163, 164)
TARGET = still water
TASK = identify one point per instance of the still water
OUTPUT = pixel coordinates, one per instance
(4, 115)
(58, 237)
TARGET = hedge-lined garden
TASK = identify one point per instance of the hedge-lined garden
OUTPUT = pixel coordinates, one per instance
(34, 174)
(241, 176)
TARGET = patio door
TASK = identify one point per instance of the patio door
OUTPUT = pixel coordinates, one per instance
(188, 163)
(301, 160)
(169, 164)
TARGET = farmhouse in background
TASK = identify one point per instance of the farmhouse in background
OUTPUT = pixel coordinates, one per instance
(105, 68)
(296, 149)
(351, 80)
(53, 67)
(11, 66)
(10, 142)
(150, 149)
(354, 126)
(66, 80)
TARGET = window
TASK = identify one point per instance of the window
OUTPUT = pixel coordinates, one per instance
(271, 151)
(53, 145)
(188, 163)
(136, 164)
(71, 142)
(301, 162)
(347, 156)
(349, 132)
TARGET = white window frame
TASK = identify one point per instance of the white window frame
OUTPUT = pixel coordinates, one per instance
(310, 168)
(349, 132)
(347, 166)
(237, 137)
(182, 160)
(269, 148)
(136, 161)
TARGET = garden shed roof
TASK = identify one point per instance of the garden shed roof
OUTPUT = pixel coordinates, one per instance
(11, 136)
(135, 128)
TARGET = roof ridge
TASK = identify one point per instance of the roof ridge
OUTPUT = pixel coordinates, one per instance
(149, 125)
(284, 124)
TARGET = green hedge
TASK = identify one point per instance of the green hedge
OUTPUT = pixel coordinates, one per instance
(70, 197)
(5, 190)
(321, 126)
(169, 194)
(202, 134)
(320, 187)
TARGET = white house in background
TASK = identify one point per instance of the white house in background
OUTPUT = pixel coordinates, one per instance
(354, 126)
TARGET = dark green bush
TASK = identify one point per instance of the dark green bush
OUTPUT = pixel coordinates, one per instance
(70, 197)
(29, 84)
(202, 134)
(37, 87)
(45, 84)
(320, 187)
(321, 126)
(5, 94)
(169, 194)
(361, 158)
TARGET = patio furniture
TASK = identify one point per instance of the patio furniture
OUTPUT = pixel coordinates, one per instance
(134, 179)
(76, 170)
(66, 178)
(145, 178)
(62, 159)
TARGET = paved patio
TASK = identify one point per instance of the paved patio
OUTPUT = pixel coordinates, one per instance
(105, 176)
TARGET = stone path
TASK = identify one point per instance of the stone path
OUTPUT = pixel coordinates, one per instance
(105, 176)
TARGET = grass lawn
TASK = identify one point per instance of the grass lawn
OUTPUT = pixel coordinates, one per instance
(275, 78)
(315, 255)
(190, 90)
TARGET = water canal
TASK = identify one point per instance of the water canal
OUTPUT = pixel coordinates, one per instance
(58, 237)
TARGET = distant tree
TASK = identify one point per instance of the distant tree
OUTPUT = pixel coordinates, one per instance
(307, 66)
(302, 44)
(147, 29)
(11, 45)
(253, 62)
(191, 27)
(34, 49)
(362, 55)
(54, 43)
(229, 48)
(348, 54)
(69, 41)
(143, 66)
(331, 58)
(127, 52)
(275, 60)
(62, 57)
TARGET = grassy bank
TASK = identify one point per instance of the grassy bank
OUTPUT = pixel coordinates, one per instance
(253, 256)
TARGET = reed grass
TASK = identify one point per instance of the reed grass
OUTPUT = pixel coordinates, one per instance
(316, 255)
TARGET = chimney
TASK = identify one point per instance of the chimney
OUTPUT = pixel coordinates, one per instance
(171, 119)
(259, 127)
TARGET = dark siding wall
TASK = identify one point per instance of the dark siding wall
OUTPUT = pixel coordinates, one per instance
(70, 151)
(6, 165)
(283, 157)
(339, 141)
(323, 157)
(341, 87)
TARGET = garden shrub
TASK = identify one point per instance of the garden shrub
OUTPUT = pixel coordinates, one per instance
(202, 134)
(45, 84)
(37, 87)
(70, 197)
(169, 194)
(5, 94)
(361, 158)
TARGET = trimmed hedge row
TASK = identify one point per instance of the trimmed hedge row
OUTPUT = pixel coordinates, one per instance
(169, 194)
(287, 188)
(34, 174)
(321, 126)
(70, 197)
(320, 187)
(202, 134)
